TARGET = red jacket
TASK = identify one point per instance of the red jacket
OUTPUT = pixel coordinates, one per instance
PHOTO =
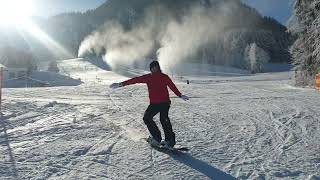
(157, 86)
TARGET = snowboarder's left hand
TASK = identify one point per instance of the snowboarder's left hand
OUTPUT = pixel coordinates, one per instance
(184, 97)
(116, 85)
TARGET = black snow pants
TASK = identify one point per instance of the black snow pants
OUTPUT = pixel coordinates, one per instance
(163, 109)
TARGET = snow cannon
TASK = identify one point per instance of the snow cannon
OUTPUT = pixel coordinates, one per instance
(318, 82)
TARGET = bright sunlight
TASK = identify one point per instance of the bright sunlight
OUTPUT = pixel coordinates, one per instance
(15, 11)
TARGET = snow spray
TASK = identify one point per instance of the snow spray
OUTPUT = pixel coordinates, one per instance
(159, 34)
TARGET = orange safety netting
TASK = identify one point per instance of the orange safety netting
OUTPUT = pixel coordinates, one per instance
(318, 81)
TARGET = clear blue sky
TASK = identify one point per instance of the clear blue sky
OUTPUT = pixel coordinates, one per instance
(279, 9)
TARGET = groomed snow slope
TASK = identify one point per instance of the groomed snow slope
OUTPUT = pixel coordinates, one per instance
(256, 127)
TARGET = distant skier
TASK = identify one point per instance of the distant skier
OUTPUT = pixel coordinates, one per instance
(157, 83)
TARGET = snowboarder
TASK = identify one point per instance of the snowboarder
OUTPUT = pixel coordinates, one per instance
(157, 83)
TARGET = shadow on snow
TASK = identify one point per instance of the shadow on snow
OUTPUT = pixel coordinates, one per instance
(5, 142)
(198, 165)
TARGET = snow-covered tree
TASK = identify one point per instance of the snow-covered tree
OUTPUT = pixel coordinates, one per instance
(306, 50)
(256, 58)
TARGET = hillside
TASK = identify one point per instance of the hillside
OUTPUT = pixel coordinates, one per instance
(208, 31)
(219, 36)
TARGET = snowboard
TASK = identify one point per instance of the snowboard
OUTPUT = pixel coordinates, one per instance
(165, 149)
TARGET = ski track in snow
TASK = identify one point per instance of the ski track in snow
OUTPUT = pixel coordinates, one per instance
(248, 127)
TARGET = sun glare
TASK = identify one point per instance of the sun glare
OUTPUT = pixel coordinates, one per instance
(15, 11)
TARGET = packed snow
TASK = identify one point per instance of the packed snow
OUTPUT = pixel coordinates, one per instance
(244, 127)
(41, 79)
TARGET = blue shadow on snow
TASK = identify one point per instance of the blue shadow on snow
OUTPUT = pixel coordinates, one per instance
(199, 165)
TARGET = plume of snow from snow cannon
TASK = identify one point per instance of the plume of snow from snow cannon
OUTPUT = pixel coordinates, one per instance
(122, 48)
(173, 40)
(183, 40)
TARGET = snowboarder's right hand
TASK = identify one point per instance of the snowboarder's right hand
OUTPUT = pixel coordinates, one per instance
(184, 97)
(116, 85)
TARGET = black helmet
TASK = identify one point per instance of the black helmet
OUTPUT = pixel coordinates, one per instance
(154, 64)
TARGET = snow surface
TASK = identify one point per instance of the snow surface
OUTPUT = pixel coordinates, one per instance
(41, 79)
(245, 127)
